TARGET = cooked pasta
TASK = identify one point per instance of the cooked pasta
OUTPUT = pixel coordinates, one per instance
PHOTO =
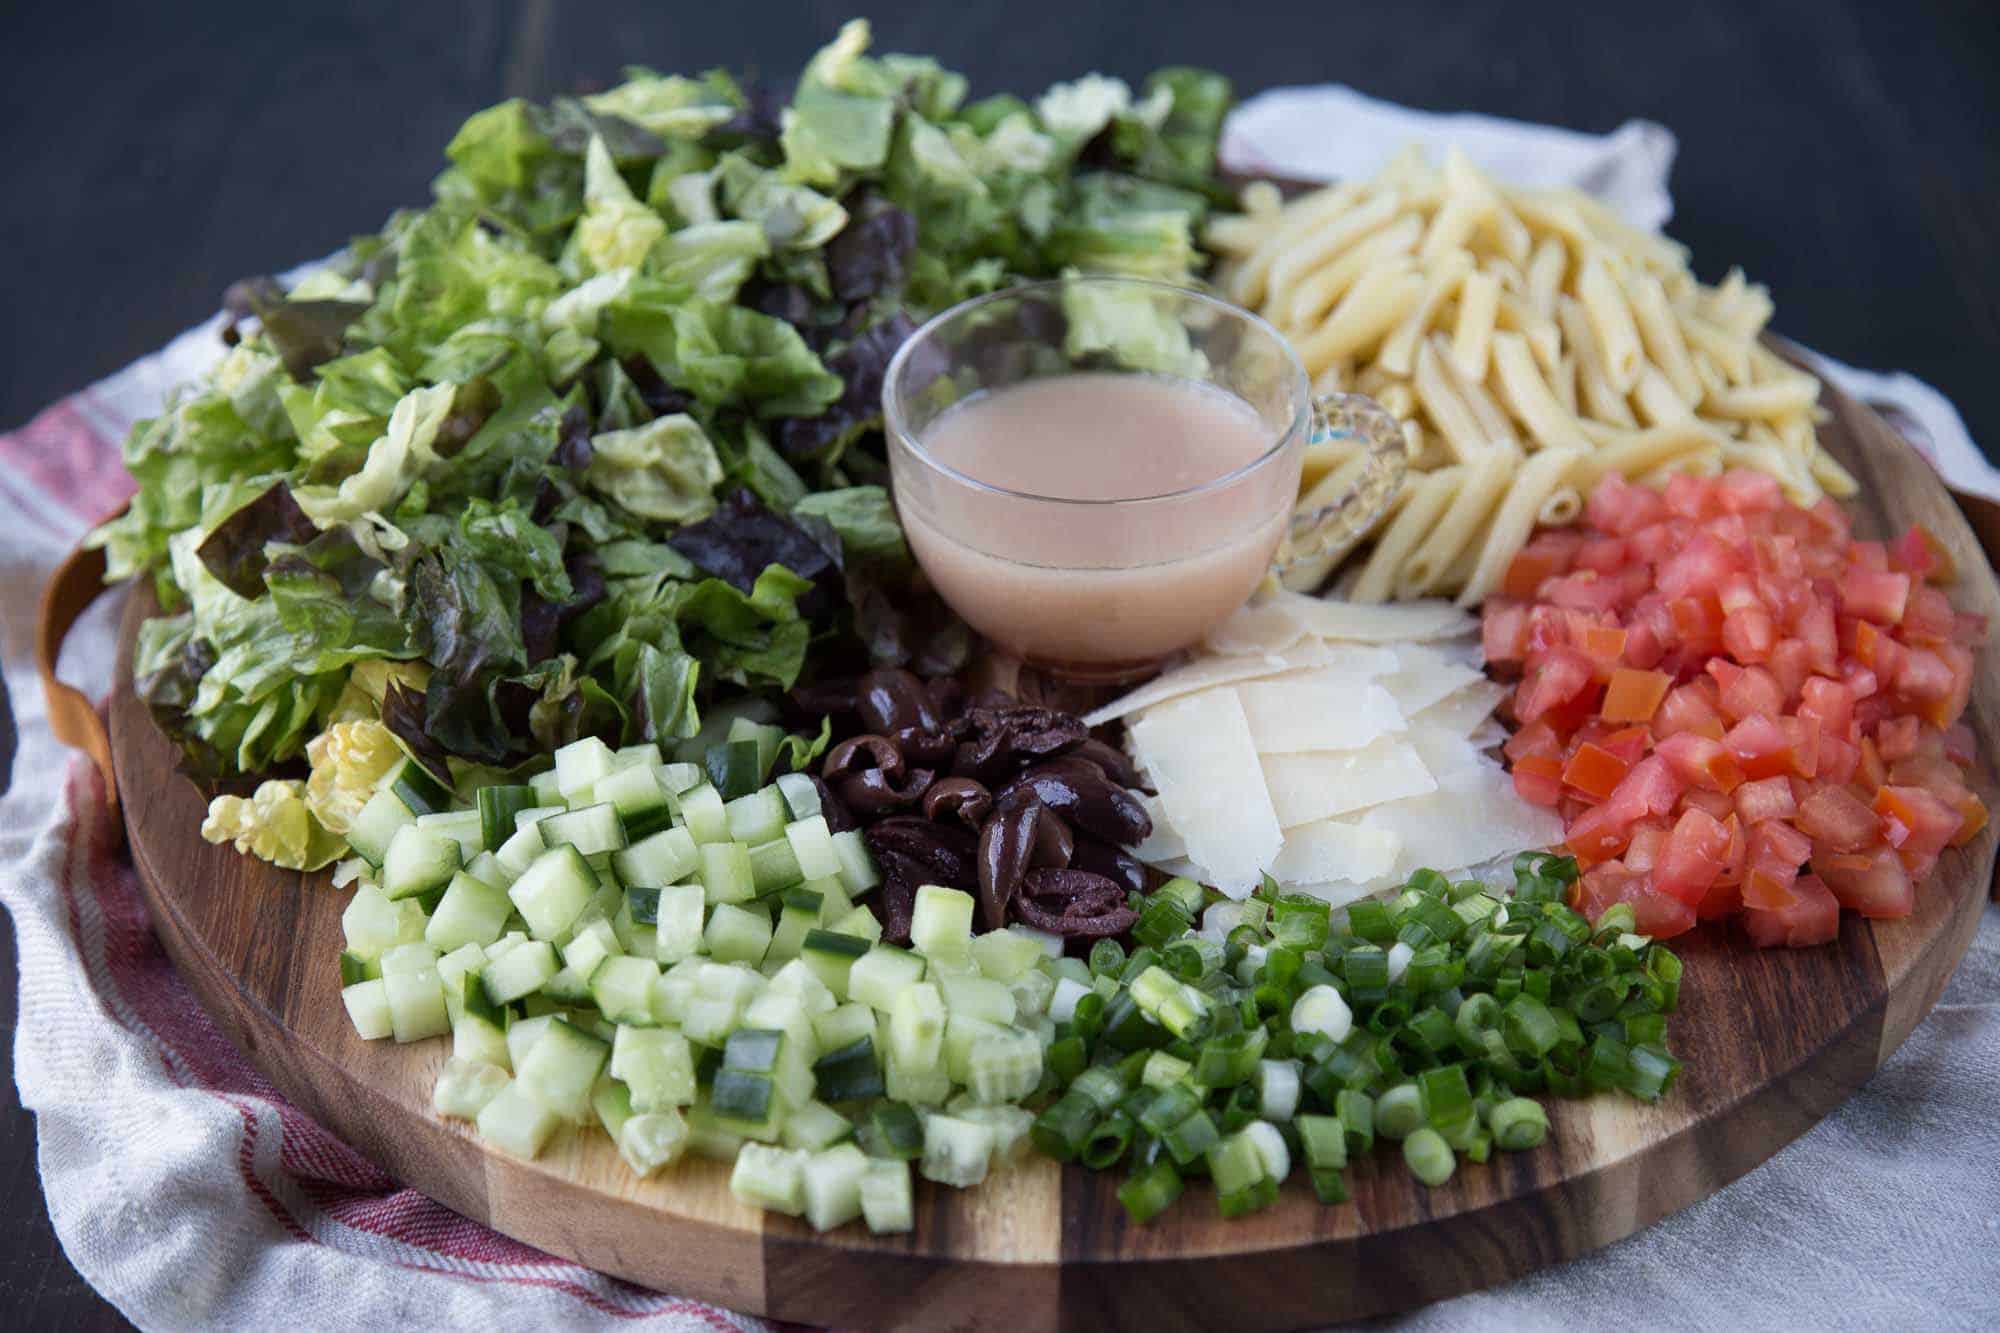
(1531, 342)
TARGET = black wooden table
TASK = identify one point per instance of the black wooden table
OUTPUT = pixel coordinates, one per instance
(1841, 151)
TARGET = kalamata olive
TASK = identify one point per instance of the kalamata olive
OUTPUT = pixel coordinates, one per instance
(912, 852)
(858, 753)
(995, 741)
(947, 697)
(825, 698)
(1117, 765)
(1074, 904)
(875, 791)
(1079, 791)
(961, 799)
(932, 749)
(1025, 837)
(839, 819)
(890, 699)
(1114, 863)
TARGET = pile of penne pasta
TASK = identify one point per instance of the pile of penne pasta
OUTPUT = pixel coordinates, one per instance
(1530, 342)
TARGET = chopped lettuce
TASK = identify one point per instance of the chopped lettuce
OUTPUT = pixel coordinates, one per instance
(665, 470)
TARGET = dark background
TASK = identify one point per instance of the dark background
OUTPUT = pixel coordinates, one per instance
(1842, 151)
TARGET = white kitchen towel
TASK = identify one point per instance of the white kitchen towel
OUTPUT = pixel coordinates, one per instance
(192, 1196)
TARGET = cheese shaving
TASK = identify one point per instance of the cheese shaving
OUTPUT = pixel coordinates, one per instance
(1199, 754)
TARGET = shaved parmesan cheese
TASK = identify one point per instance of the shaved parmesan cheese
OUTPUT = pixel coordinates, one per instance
(1207, 672)
(1488, 734)
(1462, 711)
(1391, 622)
(1309, 787)
(1163, 843)
(1332, 850)
(1448, 757)
(1423, 677)
(1199, 754)
(1317, 710)
(1468, 820)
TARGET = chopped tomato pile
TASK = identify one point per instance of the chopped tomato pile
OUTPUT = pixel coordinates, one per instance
(1720, 689)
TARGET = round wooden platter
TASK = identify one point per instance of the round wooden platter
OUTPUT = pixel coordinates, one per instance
(1772, 1040)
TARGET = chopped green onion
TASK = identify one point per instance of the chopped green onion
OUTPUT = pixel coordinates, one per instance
(1107, 1143)
(1062, 1130)
(1518, 1123)
(1150, 1191)
(1356, 1110)
(1429, 1157)
(1399, 1111)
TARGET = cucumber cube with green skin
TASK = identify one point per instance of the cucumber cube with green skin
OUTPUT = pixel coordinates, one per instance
(957, 1151)
(581, 763)
(657, 1064)
(977, 997)
(843, 1025)
(368, 1009)
(475, 1038)
(831, 956)
(916, 1026)
(461, 826)
(758, 817)
(376, 825)
(769, 1177)
(497, 807)
(419, 789)
(464, 1088)
(516, 1122)
(1003, 955)
(816, 1126)
(667, 857)
(593, 830)
(860, 923)
(519, 972)
(592, 941)
(858, 872)
(1005, 1069)
(561, 1068)
(773, 866)
(653, 1139)
(453, 969)
(737, 934)
(623, 988)
(726, 873)
(832, 1180)
(704, 814)
(416, 1003)
(941, 924)
(798, 913)
(419, 860)
(879, 975)
(677, 924)
(471, 912)
(886, 1203)
(796, 979)
(552, 893)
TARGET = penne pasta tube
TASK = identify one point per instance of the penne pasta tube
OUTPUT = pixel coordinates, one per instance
(1298, 257)
(1472, 333)
(1527, 395)
(1539, 477)
(1424, 570)
(1319, 293)
(1661, 334)
(1730, 353)
(1599, 399)
(1611, 321)
(1544, 339)
(1442, 403)
(1828, 472)
(1428, 497)
(1644, 451)
(1562, 507)
(1399, 349)
(1657, 402)
(1546, 271)
(1792, 396)
(1301, 217)
(1369, 310)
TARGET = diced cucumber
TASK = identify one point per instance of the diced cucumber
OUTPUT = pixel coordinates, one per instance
(640, 752)
(522, 1034)
(653, 1139)
(831, 956)
(941, 925)
(732, 766)
(376, 824)
(1004, 955)
(590, 943)
(858, 872)
(461, 826)
(677, 924)
(704, 814)
(368, 1009)
(881, 973)
(667, 857)
(860, 923)
(465, 1087)
(415, 956)
(582, 763)
(520, 971)
(354, 969)
(623, 988)
(640, 799)
(961, 1033)
(812, 845)
(773, 866)
(800, 982)
(592, 830)
(772, 1178)
(756, 818)
(834, 904)
(844, 1024)
(552, 893)
(748, 1103)
(516, 1122)
(1031, 991)
(832, 1181)
(569, 987)
(737, 934)
(798, 913)
(956, 1151)
(476, 1037)
(657, 1064)
(471, 912)
(487, 868)
(497, 807)
(885, 1197)
(677, 778)
(1009, 1125)
(419, 860)
(520, 850)
(726, 875)
(560, 1068)
(371, 924)
(416, 1003)
(708, 1135)
(849, 1073)
(716, 721)
(801, 796)
(1005, 1068)
(977, 997)
(453, 968)
(418, 788)
(766, 736)
(815, 1126)
(547, 790)
(916, 1026)
(926, 1086)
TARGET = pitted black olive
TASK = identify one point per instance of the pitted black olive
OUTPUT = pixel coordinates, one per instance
(891, 699)
(1079, 791)
(961, 799)
(1027, 836)
(857, 753)
(1074, 904)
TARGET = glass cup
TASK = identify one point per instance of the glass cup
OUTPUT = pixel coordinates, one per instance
(1103, 589)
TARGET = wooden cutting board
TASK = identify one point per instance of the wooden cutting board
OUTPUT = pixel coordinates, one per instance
(1772, 1040)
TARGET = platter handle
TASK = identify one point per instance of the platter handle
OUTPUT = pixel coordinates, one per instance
(76, 722)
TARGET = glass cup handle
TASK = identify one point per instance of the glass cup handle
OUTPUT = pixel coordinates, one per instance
(1322, 535)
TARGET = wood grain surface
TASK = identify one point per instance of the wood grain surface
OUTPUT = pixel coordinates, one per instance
(1772, 1041)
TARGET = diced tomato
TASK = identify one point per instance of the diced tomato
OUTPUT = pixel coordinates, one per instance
(1697, 622)
(1538, 779)
(1628, 743)
(1972, 818)
(1830, 702)
(1693, 857)
(1546, 557)
(1812, 917)
(1869, 771)
(1767, 798)
(1969, 629)
(1837, 759)
(1747, 492)
(1634, 696)
(1916, 822)
(1592, 770)
(1557, 677)
(1605, 555)
(1618, 506)
(1643, 851)
(1925, 675)
(1503, 630)
(1690, 709)
(1748, 692)
(1651, 788)
(1714, 802)
(1687, 496)
(1874, 884)
(1837, 818)
(1760, 746)
(1658, 914)
(1879, 597)
(1699, 568)
(1537, 738)
(1815, 629)
(1896, 738)
(1802, 736)
(1959, 745)
(1701, 762)
(1929, 617)
(1604, 645)
(1596, 835)
(1915, 552)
